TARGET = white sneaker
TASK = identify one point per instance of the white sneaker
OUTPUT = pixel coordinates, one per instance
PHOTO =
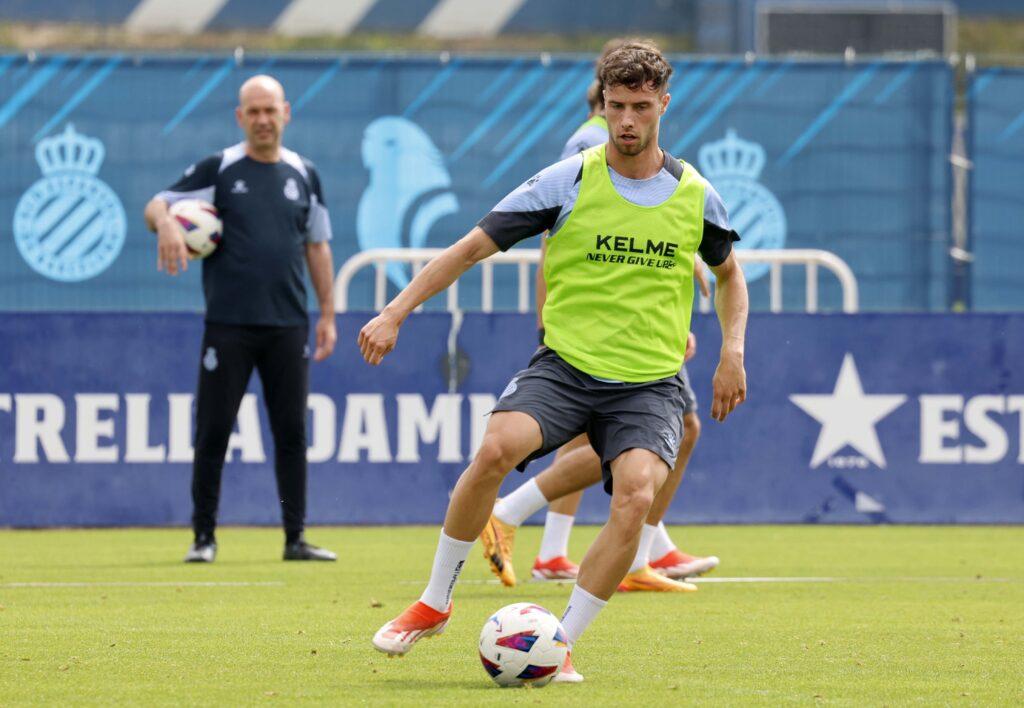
(201, 553)
(678, 565)
(568, 674)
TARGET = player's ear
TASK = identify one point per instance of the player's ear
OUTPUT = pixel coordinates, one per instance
(287, 112)
(666, 99)
(238, 116)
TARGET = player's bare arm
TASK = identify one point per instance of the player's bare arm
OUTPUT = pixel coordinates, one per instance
(172, 255)
(691, 347)
(729, 385)
(700, 274)
(321, 272)
(378, 337)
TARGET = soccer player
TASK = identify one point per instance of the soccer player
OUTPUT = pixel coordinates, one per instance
(626, 219)
(578, 467)
(270, 201)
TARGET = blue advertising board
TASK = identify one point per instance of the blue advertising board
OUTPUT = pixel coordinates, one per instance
(851, 158)
(850, 419)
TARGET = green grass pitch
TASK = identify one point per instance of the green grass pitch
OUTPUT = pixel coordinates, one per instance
(925, 615)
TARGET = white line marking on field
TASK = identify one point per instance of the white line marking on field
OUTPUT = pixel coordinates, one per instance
(155, 584)
(771, 579)
(768, 579)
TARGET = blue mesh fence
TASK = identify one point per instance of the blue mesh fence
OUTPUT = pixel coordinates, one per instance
(851, 158)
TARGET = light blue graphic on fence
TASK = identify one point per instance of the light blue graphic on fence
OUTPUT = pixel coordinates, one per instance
(409, 190)
(69, 225)
(732, 165)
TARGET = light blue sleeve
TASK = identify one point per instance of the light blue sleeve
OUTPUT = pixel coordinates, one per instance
(547, 189)
(586, 137)
(714, 208)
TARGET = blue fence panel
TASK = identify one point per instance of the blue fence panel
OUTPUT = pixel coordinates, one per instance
(95, 422)
(996, 134)
(849, 158)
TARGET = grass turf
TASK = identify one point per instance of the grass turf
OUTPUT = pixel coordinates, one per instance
(919, 614)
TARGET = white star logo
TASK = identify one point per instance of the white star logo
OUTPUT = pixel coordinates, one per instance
(847, 416)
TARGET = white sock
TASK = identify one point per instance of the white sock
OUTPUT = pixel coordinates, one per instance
(555, 541)
(521, 504)
(448, 561)
(581, 611)
(643, 551)
(662, 543)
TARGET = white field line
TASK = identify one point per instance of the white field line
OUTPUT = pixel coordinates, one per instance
(882, 579)
(278, 583)
(162, 584)
(811, 579)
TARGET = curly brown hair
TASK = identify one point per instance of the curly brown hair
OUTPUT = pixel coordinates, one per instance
(635, 65)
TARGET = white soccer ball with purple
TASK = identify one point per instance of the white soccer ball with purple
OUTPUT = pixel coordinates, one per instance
(522, 645)
(201, 224)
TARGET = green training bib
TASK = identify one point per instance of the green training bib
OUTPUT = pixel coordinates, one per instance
(620, 278)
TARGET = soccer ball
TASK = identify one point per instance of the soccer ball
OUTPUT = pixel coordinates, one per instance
(523, 645)
(202, 226)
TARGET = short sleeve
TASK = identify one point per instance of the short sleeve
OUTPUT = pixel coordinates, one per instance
(198, 181)
(586, 137)
(577, 144)
(716, 243)
(534, 206)
(318, 225)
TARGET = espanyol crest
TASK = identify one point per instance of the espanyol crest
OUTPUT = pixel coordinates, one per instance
(69, 226)
(733, 165)
(291, 189)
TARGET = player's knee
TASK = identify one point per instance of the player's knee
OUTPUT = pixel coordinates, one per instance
(630, 513)
(632, 500)
(212, 441)
(291, 440)
(691, 427)
(494, 457)
(291, 449)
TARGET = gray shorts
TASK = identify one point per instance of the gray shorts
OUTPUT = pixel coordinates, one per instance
(616, 416)
(689, 397)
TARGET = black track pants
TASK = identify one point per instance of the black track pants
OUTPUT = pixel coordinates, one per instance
(229, 353)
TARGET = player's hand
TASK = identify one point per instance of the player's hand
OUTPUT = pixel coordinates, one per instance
(701, 274)
(172, 255)
(729, 385)
(326, 336)
(377, 338)
(691, 347)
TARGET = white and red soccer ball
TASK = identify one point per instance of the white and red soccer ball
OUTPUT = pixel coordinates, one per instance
(201, 225)
(523, 644)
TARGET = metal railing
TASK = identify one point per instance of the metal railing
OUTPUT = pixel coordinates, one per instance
(811, 259)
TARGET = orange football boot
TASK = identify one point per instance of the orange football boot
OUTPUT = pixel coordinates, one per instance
(418, 621)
